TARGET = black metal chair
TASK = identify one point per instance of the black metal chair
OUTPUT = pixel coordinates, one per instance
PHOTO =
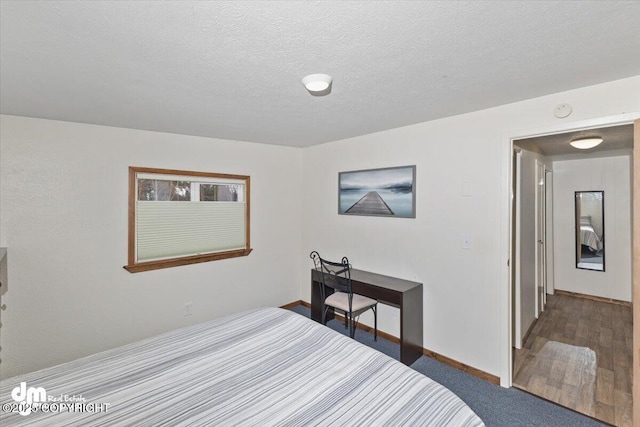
(337, 275)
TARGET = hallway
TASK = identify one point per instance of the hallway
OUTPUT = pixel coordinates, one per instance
(579, 354)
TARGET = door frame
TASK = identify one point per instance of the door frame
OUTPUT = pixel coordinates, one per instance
(550, 272)
(635, 272)
(540, 237)
(506, 296)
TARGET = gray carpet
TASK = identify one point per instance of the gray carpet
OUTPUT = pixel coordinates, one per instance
(497, 406)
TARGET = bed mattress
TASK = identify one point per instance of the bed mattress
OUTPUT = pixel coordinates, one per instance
(267, 367)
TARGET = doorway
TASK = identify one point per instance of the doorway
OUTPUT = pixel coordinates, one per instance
(562, 356)
(541, 238)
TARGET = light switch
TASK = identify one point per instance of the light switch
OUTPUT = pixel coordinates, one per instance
(466, 242)
(466, 189)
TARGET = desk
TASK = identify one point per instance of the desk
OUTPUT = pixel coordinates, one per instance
(403, 294)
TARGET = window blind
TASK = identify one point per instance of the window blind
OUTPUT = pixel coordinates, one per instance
(168, 230)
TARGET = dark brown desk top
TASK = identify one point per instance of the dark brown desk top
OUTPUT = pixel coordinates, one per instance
(375, 279)
(403, 294)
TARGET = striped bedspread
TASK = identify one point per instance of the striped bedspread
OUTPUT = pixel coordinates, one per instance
(589, 237)
(267, 367)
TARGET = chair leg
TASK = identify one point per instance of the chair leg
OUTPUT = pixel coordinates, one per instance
(324, 315)
(347, 317)
(352, 326)
(375, 323)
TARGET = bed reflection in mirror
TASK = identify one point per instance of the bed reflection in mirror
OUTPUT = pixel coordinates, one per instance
(590, 230)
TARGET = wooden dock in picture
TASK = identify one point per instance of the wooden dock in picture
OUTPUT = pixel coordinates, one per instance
(370, 204)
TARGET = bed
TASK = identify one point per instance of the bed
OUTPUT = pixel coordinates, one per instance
(266, 367)
(588, 235)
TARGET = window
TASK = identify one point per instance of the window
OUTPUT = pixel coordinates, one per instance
(181, 217)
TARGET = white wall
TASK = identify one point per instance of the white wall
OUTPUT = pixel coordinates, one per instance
(466, 293)
(613, 175)
(63, 202)
(64, 220)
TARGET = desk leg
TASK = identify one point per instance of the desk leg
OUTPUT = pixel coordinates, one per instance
(316, 302)
(411, 326)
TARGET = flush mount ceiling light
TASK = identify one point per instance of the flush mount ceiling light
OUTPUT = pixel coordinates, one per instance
(318, 84)
(586, 143)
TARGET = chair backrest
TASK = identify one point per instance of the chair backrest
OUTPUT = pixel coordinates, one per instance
(336, 275)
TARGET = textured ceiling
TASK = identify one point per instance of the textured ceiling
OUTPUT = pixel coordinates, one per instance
(614, 138)
(232, 69)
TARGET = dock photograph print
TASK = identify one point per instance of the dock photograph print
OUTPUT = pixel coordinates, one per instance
(378, 192)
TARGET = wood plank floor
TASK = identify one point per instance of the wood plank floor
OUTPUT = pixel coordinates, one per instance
(579, 354)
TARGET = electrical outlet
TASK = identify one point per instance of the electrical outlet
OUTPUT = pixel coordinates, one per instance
(466, 242)
(188, 308)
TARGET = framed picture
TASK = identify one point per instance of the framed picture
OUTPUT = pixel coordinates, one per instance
(389, 192)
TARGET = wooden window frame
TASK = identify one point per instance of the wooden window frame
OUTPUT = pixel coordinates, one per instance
(136, 267)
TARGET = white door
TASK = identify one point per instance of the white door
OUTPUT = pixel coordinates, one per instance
(541, 275)
(515, 250)
(549, 284)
